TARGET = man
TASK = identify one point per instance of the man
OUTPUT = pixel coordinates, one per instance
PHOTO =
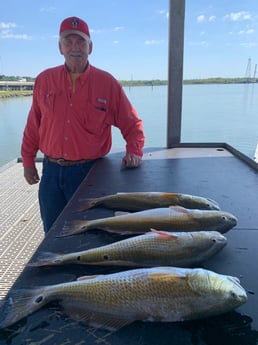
(74, 106)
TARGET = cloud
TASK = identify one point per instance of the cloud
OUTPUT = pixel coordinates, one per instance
(164, 13)
(6, 32)
(201, 18)
(13, 36)
(212, 18)
(249, 44)
(7, 25)
(238, 16)
(246, 32)
(154, 42)
(49, 9)
(199, 44)
(118, 28)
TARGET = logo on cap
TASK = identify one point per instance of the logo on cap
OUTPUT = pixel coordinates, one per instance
(75, 22)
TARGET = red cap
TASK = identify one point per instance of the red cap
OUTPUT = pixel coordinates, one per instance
(74, 25)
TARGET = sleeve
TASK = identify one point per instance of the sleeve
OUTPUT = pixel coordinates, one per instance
(130, 125)
(30, 141)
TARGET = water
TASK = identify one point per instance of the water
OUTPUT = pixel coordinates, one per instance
(210, 113)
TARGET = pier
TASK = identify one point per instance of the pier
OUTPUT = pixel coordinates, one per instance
(6, 85)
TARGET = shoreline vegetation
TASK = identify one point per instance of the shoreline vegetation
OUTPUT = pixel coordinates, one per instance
(131, 83)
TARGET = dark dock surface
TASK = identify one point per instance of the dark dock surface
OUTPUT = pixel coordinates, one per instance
(214, 173)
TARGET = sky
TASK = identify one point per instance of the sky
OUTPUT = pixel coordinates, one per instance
(130, 37)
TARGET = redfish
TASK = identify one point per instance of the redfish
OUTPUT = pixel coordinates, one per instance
(138, 201)
(155, 248)
(161, 294)
(173, 218)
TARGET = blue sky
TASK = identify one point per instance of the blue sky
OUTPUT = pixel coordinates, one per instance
(130, 37)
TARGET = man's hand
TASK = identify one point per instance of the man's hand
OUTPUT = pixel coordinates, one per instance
(31, 175)
(130, 161)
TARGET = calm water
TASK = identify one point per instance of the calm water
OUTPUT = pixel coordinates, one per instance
(211, 113)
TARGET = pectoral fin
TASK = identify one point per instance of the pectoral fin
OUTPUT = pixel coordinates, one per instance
(179, 209)
(164, 234)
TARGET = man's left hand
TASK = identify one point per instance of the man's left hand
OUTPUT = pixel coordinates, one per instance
(131, 161)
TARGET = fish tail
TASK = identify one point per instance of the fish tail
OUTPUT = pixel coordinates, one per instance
(46, 259)
(73, 227)
(19, 304)
(86, 204)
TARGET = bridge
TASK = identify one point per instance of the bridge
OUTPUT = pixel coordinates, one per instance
(6, 85)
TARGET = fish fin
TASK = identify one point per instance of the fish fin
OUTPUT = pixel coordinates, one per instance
(73, 227)
(121, 213)
(215, 204)
(166, 277)
(164, 234)
(46, 259)
(19, 304)
(89, 277)
(96, 319)
(87, 204)
(179, 209)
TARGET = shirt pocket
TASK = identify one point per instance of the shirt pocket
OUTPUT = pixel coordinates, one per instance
(48, 103)
(97, 118)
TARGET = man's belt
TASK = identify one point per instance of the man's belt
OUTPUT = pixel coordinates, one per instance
(66, 163)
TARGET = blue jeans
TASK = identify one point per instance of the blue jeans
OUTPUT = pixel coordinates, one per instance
(57, 186)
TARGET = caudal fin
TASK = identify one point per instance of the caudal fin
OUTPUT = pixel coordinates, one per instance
(19, 304)
(86, 205)
(73, 227)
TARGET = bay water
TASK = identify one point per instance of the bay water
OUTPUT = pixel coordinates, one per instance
(210, 113)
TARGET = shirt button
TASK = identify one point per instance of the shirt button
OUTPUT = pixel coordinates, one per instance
(66, 138)
(68, 121)
(71, 104)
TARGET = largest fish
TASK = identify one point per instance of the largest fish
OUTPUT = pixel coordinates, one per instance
(138, 201)
(155, 248)
(173, 218)
(112, 301)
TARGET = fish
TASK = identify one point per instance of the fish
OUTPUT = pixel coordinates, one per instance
(111, 301)
(139, 201)
(154, 248)
(173, 218)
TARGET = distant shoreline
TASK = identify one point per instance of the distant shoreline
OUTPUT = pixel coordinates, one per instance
(156, 82)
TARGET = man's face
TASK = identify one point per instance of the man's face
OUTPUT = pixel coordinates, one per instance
(76, 50)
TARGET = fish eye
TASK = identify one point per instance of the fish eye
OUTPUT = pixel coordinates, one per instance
(233, 294)
(78, 258)
(105, 257)
(39, 299)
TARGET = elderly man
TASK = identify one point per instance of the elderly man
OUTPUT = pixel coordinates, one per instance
(73, 109)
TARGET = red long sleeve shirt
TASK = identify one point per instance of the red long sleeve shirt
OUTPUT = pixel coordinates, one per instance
(77, 125)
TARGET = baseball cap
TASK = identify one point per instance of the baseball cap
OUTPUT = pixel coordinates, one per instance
(74, 25)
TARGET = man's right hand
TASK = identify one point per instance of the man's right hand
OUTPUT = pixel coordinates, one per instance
(31, 175)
